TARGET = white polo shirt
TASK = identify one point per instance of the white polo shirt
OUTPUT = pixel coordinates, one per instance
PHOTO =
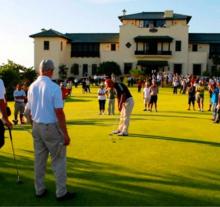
(2, 90)
(44, 96)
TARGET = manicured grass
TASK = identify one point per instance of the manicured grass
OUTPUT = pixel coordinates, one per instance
(169, 158)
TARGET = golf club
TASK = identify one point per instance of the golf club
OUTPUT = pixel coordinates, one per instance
(15, 161)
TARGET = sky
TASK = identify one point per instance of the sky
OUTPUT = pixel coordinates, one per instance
(21, 18)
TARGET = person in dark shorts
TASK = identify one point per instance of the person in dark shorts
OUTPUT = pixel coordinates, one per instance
(102, 98)
(153, 93)
(191, 96)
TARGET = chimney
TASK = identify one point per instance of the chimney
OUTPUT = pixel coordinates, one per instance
(124, 12)
(168, 14)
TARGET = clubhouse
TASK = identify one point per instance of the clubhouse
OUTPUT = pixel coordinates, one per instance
(148, 40)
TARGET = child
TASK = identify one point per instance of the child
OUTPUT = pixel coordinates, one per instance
(153, 93)
(111, 94)
(146, 96)
(200, 90)
(101, 99)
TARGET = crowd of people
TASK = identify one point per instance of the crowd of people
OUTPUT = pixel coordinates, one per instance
(194, 86)
(43, 102)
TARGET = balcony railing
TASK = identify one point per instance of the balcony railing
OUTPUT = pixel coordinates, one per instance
(140, 52)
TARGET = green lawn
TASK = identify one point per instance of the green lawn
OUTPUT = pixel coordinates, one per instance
(171, 157)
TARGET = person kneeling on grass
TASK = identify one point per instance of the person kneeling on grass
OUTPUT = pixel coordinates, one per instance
(125, 105)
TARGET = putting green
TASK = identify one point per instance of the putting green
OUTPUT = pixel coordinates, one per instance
(171, 157)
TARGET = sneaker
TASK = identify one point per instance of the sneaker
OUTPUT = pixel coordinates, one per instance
(122, 134)
(43, 194)
(67, 196)
(145, 110)
(116, 132)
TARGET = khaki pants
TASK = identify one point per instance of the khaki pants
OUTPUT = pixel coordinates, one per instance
(125, 115)
(49, 139)
(111, 106)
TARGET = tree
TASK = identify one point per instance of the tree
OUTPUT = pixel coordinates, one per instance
(63, 69)
(11, 77)
(136, 72)
(74, 69)
(28, 75)
(12, 74)
(109, 68)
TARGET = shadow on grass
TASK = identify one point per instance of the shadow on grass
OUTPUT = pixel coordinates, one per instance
(87, 95)
(99, 184)
(72, 99)
(25, 127)
(189, 112)
(99, 121)
(174, 139)
(158, 114)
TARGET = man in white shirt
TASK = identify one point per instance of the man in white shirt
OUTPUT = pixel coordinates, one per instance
(19, 97)
(45, 106)
(4, 113)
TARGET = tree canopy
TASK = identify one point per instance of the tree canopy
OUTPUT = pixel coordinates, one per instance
(12, 74)
(109, 68)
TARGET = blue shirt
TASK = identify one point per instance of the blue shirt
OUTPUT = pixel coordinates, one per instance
(19, 93)
(44, 96)
(214, 97)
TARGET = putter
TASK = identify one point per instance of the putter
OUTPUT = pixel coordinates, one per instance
(112, 135)
(18, 181)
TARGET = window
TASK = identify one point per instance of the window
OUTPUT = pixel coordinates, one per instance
(214, 49)
(178, 45)
(61, 46)
(146, 23)
(85, 50)
(85, 69)
(177, 69)
(94, 69)
(160, 23)
(46, 45)
(75, 69)
(153, 23)
(197, 69)
(194, 47)
(113, 47)
(127, 68)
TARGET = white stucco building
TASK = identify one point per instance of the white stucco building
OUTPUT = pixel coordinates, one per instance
(150, 40)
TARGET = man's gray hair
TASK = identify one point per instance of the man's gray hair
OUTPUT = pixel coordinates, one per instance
(46, 65)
